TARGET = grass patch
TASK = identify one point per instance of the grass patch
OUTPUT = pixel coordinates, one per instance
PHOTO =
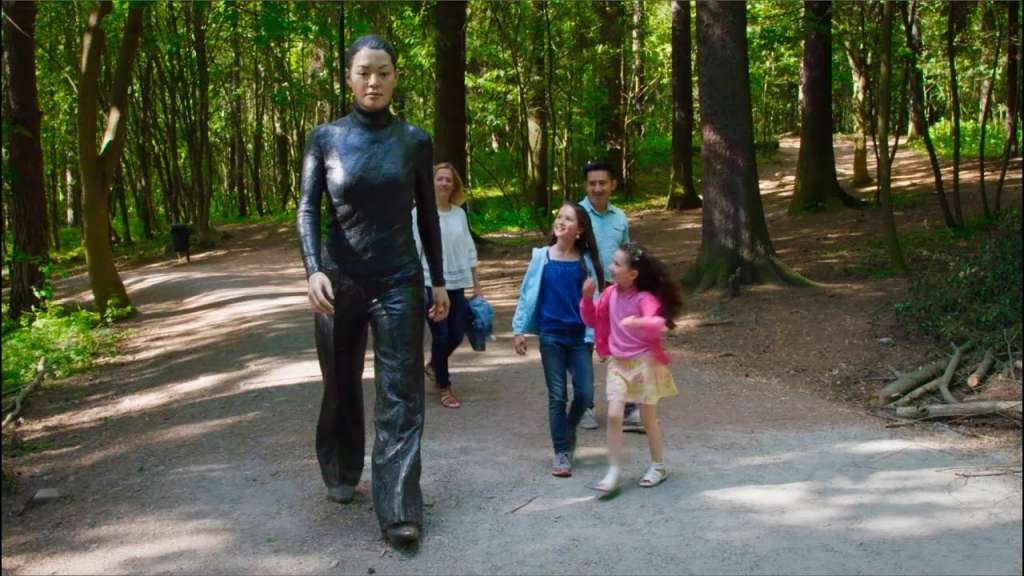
(70, 340)
(970, 137)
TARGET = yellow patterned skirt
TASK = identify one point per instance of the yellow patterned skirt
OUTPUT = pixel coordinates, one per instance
(642, 380)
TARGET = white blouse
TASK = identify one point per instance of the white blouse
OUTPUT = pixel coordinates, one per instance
(457, 248)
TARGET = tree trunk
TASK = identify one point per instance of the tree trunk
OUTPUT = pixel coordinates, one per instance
(817, 187)
(635, 124)
(28, 196)
(682, 192)
(954, 22)
(537, 118)
(912, 28)
(734, 239)
(450, 85)
(987, 27)
(237, 169)
(53, 203)
(1013, 66)
(888, 222)
(204, 186)
(256, 166)
(97, 166)
(122, 204)
(861, 71)
(612, 132)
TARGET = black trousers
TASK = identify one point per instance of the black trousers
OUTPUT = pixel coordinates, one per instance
(395, 314)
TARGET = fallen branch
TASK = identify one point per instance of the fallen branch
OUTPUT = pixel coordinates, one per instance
(40, 372)
(1012, 408)
(974, 380)
(910, 380)
(941, 383)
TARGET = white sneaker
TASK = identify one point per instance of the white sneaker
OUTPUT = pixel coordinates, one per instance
(589, 422)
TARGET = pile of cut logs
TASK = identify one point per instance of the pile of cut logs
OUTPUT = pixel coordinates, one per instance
(915, 394)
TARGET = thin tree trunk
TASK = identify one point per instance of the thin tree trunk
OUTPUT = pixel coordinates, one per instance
(953, 24)
(912, 28)
(888, 222)
(1013, 66)
(682, 191)
(28, 196)
(635, 123)
(988, 26)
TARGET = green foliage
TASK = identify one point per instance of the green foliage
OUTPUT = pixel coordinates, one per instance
(970, 139)
(969, 285)
(70, 340)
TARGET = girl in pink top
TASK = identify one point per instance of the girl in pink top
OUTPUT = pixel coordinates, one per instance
(628, 321)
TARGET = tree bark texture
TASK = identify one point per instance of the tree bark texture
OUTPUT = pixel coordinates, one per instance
(450, 85)
(28, 195)
(97, 166)
(735, 235)
(887, 221)
(817, 187)
(682, 192)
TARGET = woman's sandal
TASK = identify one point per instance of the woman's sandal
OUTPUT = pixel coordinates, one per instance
(653, 477)
(448, 399)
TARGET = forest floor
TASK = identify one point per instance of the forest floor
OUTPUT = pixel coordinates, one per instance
(191, 451)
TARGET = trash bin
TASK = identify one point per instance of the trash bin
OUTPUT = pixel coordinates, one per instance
(179, 237)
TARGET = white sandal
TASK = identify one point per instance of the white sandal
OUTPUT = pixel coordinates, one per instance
(655, 475)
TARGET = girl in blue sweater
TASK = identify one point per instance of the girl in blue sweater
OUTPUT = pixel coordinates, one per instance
(549, 307)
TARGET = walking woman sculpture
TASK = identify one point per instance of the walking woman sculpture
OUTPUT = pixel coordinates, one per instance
(371, 166)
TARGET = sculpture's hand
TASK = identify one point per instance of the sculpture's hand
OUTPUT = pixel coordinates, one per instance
(321, 294)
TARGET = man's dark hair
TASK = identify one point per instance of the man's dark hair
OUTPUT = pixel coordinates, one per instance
(370, 42)
(598, 165)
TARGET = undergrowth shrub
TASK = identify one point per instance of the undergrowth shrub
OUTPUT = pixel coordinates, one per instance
(973, 293)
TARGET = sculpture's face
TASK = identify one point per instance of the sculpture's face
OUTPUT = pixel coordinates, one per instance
(372, 78)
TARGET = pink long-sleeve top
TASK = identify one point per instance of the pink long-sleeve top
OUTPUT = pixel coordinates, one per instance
(613, 339)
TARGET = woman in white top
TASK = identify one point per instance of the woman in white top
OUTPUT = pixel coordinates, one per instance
(460, 263)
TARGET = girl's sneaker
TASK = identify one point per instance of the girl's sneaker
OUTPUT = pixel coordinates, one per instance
(655, 475)
(562, 466)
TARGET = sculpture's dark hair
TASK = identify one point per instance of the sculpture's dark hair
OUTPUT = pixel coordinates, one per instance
(370, 42)
(596, 166)
(653, 276)
(585, 242)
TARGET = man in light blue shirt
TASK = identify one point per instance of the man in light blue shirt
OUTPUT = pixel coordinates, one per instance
(611, 230)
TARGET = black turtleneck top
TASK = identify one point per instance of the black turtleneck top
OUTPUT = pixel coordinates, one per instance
(372, 166)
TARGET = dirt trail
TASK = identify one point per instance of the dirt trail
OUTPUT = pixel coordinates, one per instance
(192, 451)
